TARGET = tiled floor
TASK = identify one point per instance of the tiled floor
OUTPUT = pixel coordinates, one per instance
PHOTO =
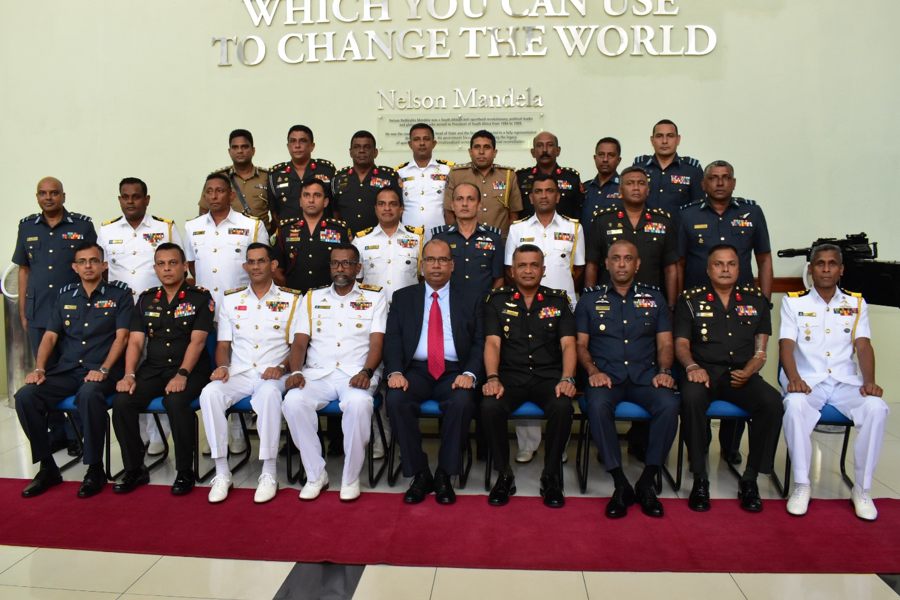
(75, 575)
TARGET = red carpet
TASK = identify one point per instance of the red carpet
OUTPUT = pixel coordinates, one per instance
(379, 528)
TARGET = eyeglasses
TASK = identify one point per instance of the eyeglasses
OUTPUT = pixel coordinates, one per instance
(441, 260)
(88, 261)
(344, 264)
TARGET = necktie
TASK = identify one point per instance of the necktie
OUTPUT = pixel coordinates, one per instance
(435, 339)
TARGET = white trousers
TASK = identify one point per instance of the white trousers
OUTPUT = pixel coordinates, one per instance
(528, 435)
(149, 431)
(300, 406)
(266, 394)
(868, 413)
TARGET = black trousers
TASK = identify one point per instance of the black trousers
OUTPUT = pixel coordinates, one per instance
(558, 412)
(127, 409)
(661, 403)
(34, 403)
(757, 397)
(457, 406)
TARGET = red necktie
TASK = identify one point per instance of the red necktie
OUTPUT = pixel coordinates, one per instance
(435, 339)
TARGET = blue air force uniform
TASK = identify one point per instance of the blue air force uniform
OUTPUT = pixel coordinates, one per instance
(477, 260)
(598, 197)
(674, 186)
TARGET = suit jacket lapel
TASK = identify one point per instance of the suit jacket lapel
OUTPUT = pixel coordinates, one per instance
(418, 309)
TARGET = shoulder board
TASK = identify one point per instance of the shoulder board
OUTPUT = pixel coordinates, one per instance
(170, 221)
(647, 286)
(692, 161)
(289, 291)
(343, 171)
(369, 287)
(689, 204)
(280, 166)
(439, 229)
(29, 218)
(222, 170)
(322, 161)
(68, 288)
(198, 288)
(235, 290)
(80, 217)
(153, 290)
(414, 229)
(336, 221)
(502, 168)
(490, 228)
(263, 170)
(659, 211)
(747, 201)
(400, 166)
(694, 291)
(460, 166)
(849, 293)
(449, 163)
(557, 293)
(250, 217)
(523, 170)
(522, 220)
(316, 289)
(608, 209)
(638, 160)
(119, 284)
(111, 221)
(289, 220)
(385, 168)
(751, 289)
(574, 220)
(501, 290)
(571, 170)
(596, 288)
(366, 231)
(799, 294)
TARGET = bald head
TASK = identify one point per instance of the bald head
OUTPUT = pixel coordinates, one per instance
(51, 181)
(545, 149)
(50, 195)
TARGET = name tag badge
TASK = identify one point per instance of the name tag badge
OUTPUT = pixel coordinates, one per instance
(613, 232)
(701, 226)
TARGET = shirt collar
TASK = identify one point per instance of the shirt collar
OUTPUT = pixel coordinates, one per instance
(66, 218)
(432, 162)
(353, 290)
(442, 293)
(554, 221)
(707, 203)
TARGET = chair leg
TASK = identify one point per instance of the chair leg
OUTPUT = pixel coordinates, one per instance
(298, 476)
(109, 474)
(679, 466)
(468, 464)
(393, 474)
(200, 477)
(844, 475)
(787, 472)
(375, 476)
(730, 466)
(582, 454)
(75, 459)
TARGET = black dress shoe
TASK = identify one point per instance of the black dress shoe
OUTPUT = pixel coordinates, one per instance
(184, 483)
(43, 481)
(73, 448)
(650, 504)
(699, 498)
(132, 480)
(422, 485)
(443, 489)
(748, 492)
(551, 491)
(622, 498)
(93, 482)
(502, 490)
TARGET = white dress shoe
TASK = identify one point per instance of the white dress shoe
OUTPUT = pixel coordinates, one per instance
(266, 488)
(524, 456)
(312, 489)
(798, 503)
(863, 505)
(350, 491)
(220, 486)
(155, 448)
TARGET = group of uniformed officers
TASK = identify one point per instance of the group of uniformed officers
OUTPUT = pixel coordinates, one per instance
(438, 282)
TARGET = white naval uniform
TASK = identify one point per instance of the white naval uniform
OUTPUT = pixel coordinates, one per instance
(339, 329)
(260, 330)
(423, 193)
(824, 335)
(391, 262)
(219, 251)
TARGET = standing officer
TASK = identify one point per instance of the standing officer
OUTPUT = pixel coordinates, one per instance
(88, 325)
(303, 244)
(285, 179)
(355, 187)
(821, 329)
(424, 179)
(650, 229)
(477, 249)
(256, 324)
(529, 355)
(674, 180)
(501, 201)
(625, 345)
(250, 182)
(174, 319)
(721, 332)
(336, 355)
(603, 190)
(545, 149)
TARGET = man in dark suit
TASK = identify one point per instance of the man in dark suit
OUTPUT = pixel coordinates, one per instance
(433, 349)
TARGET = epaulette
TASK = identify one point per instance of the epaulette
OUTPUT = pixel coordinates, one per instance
(574, 220)
(29, 218)
(222, 170)
(338, 221)
(440, 229)
(288, 290)
(344, 170)
(746, 201)
(280, 166)
(502, 168)
(251, 217)
(849, 293)
(199, 288)
(662, 212)
(323, 161)
(461, 166)
(490, 228)
(398, 167)
(642, 159)
(751, 289)
(415, 229)
(384, 168)
(694, 291)
(557, 293)
(571, 170)
(119, 284)
(449, 163)
(370, 288)
(608, 209)
(235, 290)
(523, 170)
(316, 289)
(649, 286)
(80, 217)
(169, 221)
(799, 294)
(691, 161)
(68, 288)
(288, 221)
(596, 288)
(522, 220)
(151, 290)
(689, 204)
(366, 231)
(262, 169)
(111, 221)
(505, 289)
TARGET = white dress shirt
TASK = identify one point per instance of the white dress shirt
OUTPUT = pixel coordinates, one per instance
(390, 261)
(423, 193)
(421, 352)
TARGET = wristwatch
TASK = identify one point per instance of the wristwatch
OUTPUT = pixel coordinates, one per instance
(368, 372)
(664, 372)
(104, 370)
(183, 372)
(568, 380)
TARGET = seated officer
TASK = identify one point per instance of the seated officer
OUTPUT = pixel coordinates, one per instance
(529, 355)
(821, 329)
(88, 324)
(721, 332)
(625, 345)
(255, 324)
(339, 337)
(174, 319)
(433, 350)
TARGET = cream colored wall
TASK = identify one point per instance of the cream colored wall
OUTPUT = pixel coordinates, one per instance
(800, 95)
